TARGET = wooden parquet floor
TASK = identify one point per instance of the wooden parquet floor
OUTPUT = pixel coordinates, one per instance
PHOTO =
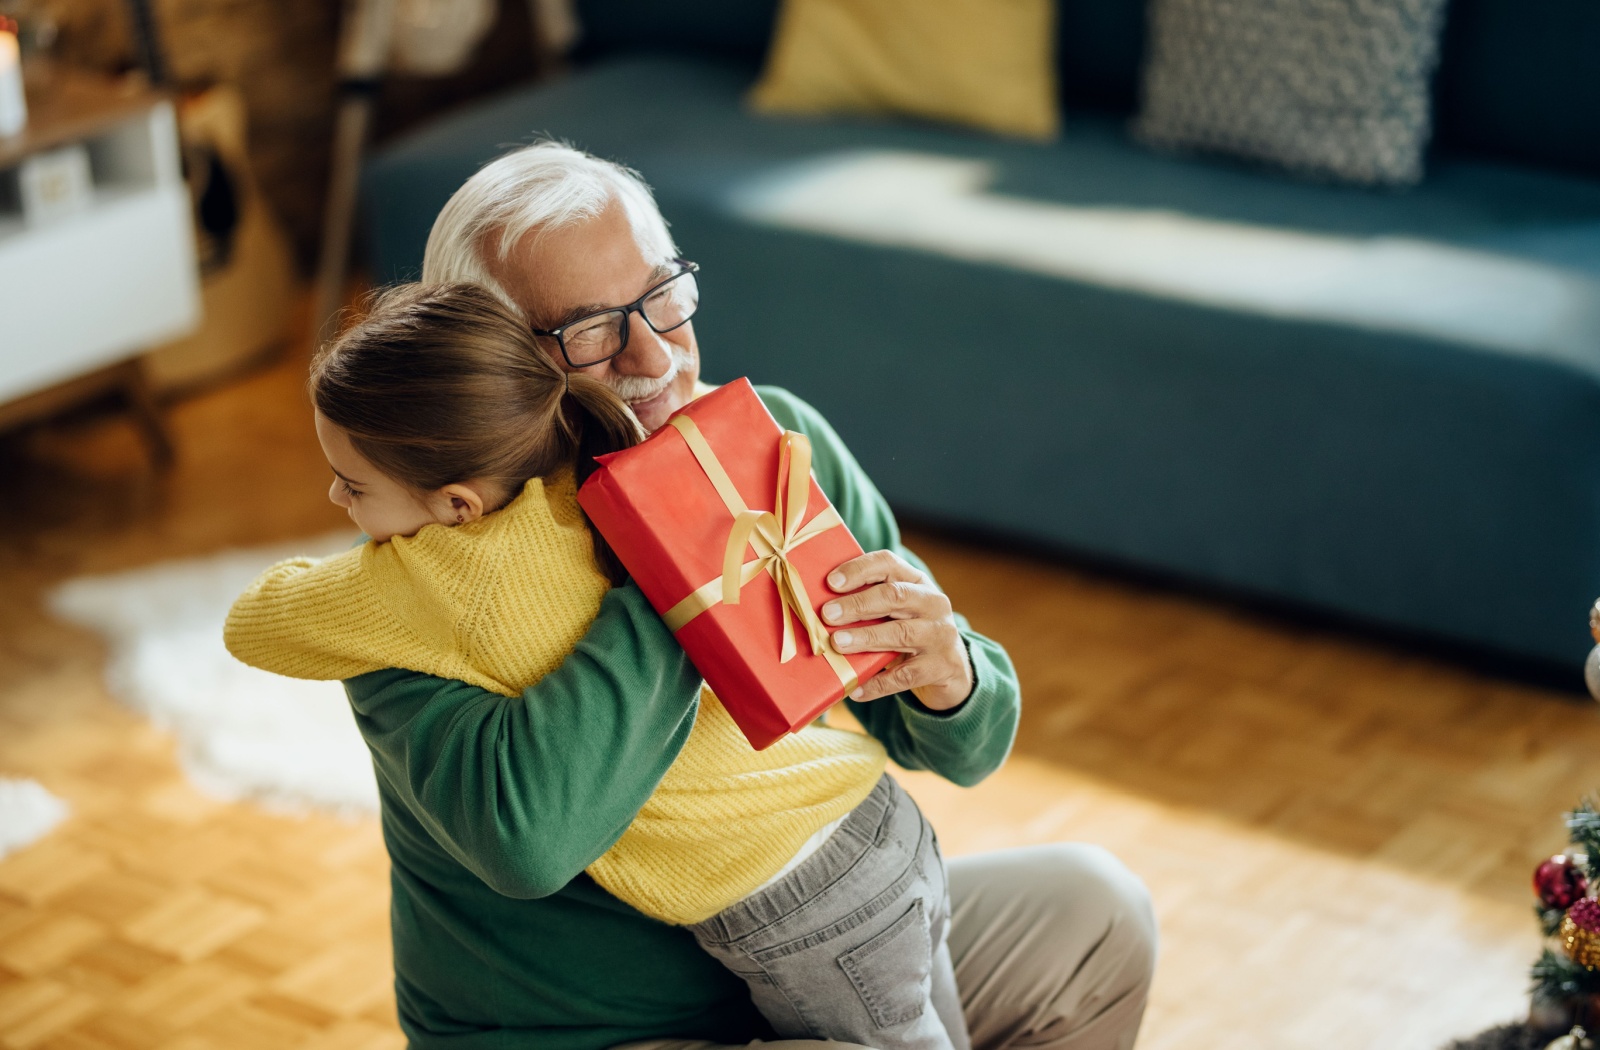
(1338, 835)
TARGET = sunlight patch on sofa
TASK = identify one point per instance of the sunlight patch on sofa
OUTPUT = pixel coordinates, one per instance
(1402, 285)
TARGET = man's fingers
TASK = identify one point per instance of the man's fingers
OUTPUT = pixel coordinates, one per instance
(918, 623)
(910, 674)
(897, 599)
(883, 599)
(870, 568)
(895, 636)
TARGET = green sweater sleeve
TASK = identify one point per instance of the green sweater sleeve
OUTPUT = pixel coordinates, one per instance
(527, 791)
(966, 744)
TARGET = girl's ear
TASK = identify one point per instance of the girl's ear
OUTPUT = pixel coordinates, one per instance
(459, 504)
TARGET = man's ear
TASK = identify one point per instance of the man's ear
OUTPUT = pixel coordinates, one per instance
(459, 504)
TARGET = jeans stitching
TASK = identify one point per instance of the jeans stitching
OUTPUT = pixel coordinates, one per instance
(852, 968)
(891, 807)
(864, 913)
(778, 985)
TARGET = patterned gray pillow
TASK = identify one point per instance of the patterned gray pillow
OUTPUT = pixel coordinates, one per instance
(1328, 87)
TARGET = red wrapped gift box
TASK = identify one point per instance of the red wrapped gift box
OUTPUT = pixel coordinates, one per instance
(718, 520)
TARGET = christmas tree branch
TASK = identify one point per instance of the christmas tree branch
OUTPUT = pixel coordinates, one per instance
(1557, 979)
(1549, 918)
(1583, 824)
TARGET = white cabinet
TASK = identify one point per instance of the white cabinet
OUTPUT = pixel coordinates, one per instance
(92, 289)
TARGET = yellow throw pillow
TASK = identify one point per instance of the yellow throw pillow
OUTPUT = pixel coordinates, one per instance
(985, 63)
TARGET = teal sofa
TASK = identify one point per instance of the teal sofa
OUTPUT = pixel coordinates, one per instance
(1411, 442)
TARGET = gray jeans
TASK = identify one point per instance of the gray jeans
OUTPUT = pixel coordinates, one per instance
(850, 945)
(1054, 947)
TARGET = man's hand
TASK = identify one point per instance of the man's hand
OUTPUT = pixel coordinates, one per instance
(920, 625)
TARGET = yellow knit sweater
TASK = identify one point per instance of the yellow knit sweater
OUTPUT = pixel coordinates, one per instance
(499, 603)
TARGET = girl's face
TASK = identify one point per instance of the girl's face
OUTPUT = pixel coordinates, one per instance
(382, 507)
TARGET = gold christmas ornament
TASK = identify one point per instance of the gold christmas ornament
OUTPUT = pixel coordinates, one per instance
(1577, 1039)
(1580, 933)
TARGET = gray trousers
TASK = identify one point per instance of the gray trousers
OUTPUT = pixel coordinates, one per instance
(1053, 948)
(850, 945)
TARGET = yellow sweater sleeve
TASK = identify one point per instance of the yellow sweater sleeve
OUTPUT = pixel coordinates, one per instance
(303, 618)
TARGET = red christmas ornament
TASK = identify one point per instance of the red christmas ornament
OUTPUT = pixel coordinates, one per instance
(1559, 882)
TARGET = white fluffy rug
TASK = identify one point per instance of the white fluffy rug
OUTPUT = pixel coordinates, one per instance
(27, 813)
(243, 733)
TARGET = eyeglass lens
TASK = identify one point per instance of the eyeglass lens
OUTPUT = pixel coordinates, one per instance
(596, 338)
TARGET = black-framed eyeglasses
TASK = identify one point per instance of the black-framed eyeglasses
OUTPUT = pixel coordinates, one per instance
(600, 336)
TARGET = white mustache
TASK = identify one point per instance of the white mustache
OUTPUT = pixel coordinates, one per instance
(643, 388)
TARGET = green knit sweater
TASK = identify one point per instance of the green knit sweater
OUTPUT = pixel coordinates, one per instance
(493, 806)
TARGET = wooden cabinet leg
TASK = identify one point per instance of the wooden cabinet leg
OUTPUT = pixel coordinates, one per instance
(147, 414)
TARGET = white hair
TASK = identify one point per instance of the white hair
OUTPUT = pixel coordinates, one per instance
(545, 186)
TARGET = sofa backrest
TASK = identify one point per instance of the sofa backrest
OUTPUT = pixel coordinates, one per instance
(1518, 80)
(1099, 46)
(735, 30)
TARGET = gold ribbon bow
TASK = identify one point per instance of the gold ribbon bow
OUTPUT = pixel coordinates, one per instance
(774, 534)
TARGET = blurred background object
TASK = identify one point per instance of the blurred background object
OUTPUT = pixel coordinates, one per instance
(431, 38)
(97, 258)
(434, 38)
(247, 275)
(366, 39)
(990, 66)
(55, 183)
(280, 57)
(254, 91)
(1323, 87)
(13, 103)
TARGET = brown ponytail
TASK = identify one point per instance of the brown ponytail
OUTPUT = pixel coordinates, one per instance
(443, 383)
(604, 424)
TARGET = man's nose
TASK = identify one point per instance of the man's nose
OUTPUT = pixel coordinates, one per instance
(648, 353)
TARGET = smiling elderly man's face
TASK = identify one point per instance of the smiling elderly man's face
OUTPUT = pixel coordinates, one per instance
(608, 261)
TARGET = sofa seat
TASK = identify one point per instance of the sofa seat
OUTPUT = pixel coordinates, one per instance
(1385, 405)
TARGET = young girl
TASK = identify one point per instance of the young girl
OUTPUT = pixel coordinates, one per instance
(458, 446)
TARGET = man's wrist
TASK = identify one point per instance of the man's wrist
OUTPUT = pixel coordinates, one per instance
(916, 703)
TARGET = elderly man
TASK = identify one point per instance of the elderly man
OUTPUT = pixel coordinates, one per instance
(492, 807)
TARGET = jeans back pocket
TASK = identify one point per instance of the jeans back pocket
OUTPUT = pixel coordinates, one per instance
(893, 971)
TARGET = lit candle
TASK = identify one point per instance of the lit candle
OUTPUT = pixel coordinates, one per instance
(13, 107)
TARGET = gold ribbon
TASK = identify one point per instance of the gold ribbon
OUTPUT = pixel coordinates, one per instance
(773, 534)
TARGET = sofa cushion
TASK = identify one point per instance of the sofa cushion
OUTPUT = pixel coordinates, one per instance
(1319, 86)
(1389, 461)
(1098, 42)
(970, 62)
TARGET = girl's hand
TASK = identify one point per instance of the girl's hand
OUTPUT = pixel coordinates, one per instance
(921, 625)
